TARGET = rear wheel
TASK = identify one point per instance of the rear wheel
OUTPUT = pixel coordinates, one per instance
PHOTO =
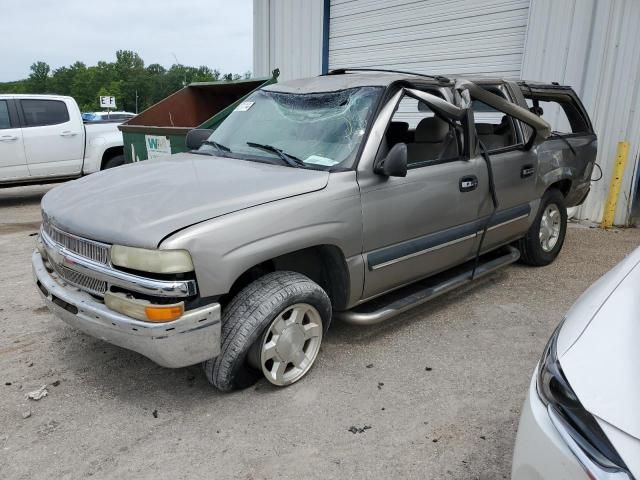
(545, 237)
(114, 162)
(272, 328)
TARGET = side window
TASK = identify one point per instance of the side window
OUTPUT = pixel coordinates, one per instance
(4, 115)
(428, 137)
(494, 128)
(559, 111)
(38, 113)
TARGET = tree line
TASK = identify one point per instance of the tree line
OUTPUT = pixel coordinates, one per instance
(127, 79)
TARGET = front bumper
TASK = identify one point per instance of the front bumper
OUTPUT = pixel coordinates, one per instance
(540, 452)
(191, 339)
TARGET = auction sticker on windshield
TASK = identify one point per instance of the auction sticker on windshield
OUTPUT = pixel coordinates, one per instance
(318, 160)
(244, 106)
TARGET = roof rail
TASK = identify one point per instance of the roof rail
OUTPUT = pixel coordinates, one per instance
(342, 71)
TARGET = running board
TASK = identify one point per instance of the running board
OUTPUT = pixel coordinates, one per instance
(392, 304)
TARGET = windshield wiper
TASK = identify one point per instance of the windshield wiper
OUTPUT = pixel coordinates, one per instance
(564, 139)
(289, 159)
(217, 145)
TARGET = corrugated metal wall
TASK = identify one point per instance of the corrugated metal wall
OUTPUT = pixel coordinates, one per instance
(468, 37)
(287, 34)
(595, 47)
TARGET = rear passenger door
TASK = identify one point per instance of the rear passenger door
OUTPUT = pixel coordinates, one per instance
(514, 168)
(53, 135)
(13, 163)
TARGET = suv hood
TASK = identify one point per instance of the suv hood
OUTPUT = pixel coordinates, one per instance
(141, 203)
(600, 339)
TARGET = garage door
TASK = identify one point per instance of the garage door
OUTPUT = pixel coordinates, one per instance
(465, 37)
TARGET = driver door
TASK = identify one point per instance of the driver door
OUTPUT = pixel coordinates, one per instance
(426, 222)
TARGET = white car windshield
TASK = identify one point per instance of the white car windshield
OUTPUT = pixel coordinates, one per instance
(315, 130)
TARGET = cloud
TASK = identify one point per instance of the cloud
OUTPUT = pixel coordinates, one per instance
(215, 33)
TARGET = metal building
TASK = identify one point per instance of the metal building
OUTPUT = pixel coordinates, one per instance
(589, 44)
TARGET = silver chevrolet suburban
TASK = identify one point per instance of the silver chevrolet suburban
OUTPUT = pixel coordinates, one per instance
(356, 195)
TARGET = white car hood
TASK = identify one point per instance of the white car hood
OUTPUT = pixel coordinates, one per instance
(599, 347)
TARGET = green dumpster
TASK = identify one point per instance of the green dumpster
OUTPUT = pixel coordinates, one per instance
(161, 129)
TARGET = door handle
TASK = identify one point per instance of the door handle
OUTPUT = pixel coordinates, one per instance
(68, 133)
(527, 171)
(468, 183)
(8, 138)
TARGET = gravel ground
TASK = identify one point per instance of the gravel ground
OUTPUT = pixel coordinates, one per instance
(440, 387)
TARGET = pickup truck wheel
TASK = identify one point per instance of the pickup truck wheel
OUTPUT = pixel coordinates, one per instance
(273, 327)
(545, 237)
(114, 162)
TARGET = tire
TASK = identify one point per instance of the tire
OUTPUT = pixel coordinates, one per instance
(249, 318)
(113, 162)
(533, 249)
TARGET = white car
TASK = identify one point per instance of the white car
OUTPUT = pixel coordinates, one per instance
(581, 418)
(43, 139)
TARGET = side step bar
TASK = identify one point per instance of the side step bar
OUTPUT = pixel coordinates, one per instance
(398, 301)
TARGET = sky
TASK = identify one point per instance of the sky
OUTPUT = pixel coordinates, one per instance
(215, 33)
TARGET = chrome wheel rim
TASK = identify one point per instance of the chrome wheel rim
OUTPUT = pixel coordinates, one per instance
(291, 344)
(550, 227)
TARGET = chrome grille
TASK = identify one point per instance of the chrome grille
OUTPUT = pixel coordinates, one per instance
(80, 280)
(86, 248)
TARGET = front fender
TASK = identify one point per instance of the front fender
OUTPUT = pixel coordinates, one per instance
(225, 247)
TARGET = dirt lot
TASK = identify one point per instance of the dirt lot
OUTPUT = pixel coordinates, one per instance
(441, 386)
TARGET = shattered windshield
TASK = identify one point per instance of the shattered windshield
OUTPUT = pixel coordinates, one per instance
(315, 130)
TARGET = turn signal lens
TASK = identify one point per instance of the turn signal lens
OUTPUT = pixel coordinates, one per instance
(158, 313)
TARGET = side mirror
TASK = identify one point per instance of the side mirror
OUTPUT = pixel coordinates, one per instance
(395, 163)
(196, 136)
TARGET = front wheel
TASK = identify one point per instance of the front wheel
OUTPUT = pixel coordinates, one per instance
(272, 328)
(545, 237)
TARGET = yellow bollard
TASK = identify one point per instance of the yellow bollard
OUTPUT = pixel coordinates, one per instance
(614, 186)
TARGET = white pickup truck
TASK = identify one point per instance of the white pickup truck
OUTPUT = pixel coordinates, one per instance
(44, 139)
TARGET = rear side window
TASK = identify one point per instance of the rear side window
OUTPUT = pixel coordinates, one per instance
(559, 111)
(4, 115)
(495, 129)
(38, 113)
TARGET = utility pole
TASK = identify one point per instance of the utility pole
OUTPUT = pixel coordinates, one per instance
(136, 101)
(184, 81)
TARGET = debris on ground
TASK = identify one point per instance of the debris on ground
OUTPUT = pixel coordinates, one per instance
(353, 429)
(7, 383)
(56, 383)
(428, 369)
(380, 385)
(155, 414)
(30, 364)
(370, 365)
(38, 394)
(26, 414)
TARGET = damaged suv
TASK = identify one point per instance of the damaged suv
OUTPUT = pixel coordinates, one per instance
(356, 195)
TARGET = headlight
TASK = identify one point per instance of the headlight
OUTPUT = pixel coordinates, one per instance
(575, 424)
(154, 261)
